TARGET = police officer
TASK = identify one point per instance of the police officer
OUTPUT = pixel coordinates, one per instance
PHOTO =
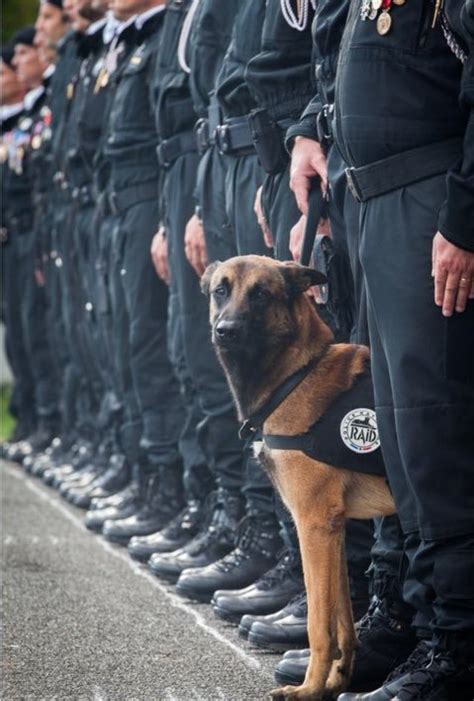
(32, 312)
(254, 549)
(14, 192)
(152, 404)
(417, 213)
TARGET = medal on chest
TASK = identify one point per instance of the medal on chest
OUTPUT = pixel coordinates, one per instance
(379, 10)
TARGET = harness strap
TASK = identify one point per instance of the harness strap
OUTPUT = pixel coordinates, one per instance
(256, 420)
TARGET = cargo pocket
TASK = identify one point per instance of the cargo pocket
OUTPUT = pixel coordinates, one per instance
(459, 346)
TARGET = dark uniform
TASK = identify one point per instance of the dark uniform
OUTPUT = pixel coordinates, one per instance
(15, 195)
(28, 162)
(152, 404)
(421, 361)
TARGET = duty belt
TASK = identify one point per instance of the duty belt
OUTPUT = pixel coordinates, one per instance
(234, 136)
(205, 128)
(123, 199)
(174, 147)
(403, 169)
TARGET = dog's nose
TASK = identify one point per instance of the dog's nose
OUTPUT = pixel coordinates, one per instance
(228, 331)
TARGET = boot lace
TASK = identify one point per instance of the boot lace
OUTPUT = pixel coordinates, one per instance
(412, 662)
(427, 678)
(287, 567)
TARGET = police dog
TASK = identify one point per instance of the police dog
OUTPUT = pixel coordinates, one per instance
(265, 328)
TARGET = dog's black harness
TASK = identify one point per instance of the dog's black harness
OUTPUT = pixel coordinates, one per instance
(346, 436)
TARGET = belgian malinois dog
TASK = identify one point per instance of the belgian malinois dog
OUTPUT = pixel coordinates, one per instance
(268, 334)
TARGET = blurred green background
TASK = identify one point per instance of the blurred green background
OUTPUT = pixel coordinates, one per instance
(15, 14)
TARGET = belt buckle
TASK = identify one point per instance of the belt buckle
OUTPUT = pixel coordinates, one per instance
(202, 135)
(161, 151)
(223, 138)
(352, 184)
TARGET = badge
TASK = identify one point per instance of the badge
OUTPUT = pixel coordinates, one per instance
(25, 124)
(36, 142)
(399, 2)
(376, 4)
(384, 22)
(359, 431)
(136, 60)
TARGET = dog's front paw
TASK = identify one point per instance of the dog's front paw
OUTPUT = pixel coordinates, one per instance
(295, 693)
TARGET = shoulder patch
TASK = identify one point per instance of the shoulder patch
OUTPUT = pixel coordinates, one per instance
(359, 431)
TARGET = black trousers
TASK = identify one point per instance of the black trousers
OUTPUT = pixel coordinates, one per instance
(217, 431)
(35, 330)
(15, 271)
(424, 390)
(152, 403)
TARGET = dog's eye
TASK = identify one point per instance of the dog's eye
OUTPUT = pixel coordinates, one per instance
(259, 293)
(220, 291)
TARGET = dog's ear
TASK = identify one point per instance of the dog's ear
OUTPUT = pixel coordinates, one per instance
(207, 275)
(300, 278)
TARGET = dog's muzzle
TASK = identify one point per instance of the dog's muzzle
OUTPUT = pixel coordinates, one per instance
(228, 334)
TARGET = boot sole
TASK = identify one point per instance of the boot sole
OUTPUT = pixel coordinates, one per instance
(228, 616)
(171, 577)
(201, 597)
(120, 540)
(261, 642)
(244, 633)
(284, 679)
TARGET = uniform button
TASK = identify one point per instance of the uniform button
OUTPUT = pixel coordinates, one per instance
(59, 262)
(89, 306)
(123, 271)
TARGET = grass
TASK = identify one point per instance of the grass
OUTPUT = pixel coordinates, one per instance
(7, 422)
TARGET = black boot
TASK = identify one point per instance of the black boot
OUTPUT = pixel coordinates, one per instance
(162, 501)
(284, 630)
(431, 673)
(177, 533)
(258, 543)
(114, 476)
(125, 504)
(265, 596)
(385, 642)
(214, 541)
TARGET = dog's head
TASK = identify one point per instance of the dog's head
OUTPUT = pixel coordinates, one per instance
(252, 303)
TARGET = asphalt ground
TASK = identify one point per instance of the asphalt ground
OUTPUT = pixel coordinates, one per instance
(83, 621)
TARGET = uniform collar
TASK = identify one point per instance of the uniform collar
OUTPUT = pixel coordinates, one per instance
(32, 97)
(49, 71)
(96, 26)
(9, 111)
(141, 19)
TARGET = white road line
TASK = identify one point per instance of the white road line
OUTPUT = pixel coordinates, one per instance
(174, 600)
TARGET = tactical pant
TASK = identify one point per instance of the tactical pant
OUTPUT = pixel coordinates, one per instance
(35, 331)
(152, 403)
(424, 393)
(218, 430)
(15, 271)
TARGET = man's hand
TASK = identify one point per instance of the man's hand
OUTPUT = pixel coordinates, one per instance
(296, 238)
(307, 161)
(195, 245)
(159, 255)
(257, 208)
(297, 235)
(453, 272)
